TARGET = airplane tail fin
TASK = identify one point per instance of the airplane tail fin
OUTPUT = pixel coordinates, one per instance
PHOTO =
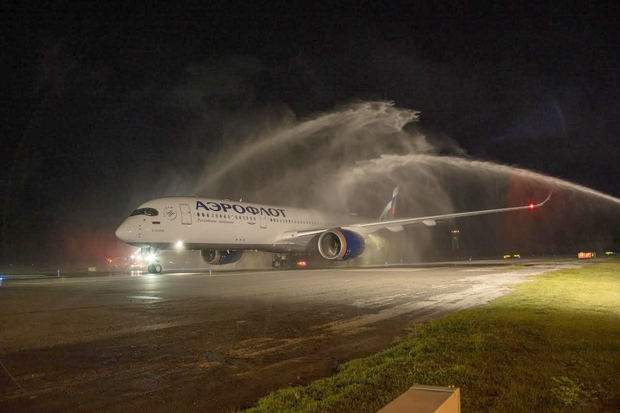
(390, 209)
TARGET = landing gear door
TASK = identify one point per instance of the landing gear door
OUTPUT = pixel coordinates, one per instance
(186, 214)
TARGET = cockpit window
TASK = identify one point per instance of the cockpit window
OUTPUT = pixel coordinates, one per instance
(151, 212)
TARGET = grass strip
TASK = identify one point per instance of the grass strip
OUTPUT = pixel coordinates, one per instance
(551, 345)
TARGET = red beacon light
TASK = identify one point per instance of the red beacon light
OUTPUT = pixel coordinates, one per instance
(531, 205)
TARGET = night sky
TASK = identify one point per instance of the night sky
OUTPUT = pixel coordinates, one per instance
(103, 102)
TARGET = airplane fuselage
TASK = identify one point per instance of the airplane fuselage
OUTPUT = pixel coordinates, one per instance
(200, 223)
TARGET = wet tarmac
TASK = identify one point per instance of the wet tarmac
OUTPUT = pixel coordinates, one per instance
(201, 342)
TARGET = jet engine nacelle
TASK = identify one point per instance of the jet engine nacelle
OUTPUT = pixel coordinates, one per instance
(340, 244)
(219, 257)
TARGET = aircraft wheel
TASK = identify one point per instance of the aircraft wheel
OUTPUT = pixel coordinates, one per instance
(151, 268)
(157, 268)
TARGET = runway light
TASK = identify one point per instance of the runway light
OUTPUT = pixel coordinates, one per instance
(302, 263)
(179, 245)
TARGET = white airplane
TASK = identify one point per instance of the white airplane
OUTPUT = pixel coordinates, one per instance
(222, 229)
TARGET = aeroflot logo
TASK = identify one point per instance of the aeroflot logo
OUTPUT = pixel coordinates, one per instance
(240, 209)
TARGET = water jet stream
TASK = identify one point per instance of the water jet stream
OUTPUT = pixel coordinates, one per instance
(350, 159)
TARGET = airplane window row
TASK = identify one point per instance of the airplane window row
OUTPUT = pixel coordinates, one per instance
(224, 216)
(253, 218)
(294, 221)
(151, 212)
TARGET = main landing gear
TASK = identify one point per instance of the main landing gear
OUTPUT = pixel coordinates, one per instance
(290, 260)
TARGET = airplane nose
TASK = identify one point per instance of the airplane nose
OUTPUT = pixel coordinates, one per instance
(123, 232)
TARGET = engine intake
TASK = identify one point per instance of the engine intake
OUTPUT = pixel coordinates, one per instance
(220, 257)
(340, 244)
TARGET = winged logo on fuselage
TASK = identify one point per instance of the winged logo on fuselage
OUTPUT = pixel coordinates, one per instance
(170, 213)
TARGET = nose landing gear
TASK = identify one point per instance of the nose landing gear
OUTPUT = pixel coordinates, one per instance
(150, 255)
(154, 268)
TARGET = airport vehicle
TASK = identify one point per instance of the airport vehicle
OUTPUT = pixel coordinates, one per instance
(123, 263)
(587, 255)
(222, 229)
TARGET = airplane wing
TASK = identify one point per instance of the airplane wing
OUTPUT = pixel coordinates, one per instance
(433, 219)
(397, 224)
